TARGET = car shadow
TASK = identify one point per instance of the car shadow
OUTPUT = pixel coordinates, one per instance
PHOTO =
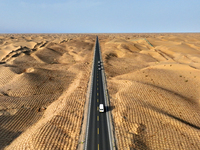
(109, 108)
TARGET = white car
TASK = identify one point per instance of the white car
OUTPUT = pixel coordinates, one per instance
(101, 108)
(99, 68)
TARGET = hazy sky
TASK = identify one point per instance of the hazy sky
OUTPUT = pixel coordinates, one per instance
(99, 16)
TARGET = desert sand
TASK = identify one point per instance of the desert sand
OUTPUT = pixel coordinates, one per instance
(43, 86)
(154, 89)
(153, 83)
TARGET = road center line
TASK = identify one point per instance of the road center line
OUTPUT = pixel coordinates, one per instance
(91, 138)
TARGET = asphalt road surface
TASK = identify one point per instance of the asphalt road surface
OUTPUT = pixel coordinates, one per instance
(98, 136)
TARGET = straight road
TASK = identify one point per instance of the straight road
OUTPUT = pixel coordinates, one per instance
(98, 136)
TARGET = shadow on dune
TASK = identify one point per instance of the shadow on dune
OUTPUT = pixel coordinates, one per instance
(172, 92)
(15, 55)
(138, 140)
(172, 116)
(166, 113)
(7, 137)
(11, 126)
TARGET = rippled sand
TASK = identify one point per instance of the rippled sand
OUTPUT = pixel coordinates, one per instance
(154, 88)
(153, 82)
(43, 84)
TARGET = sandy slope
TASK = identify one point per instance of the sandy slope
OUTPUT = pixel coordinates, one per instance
(43, 82)
(154, 86)
(153, 82)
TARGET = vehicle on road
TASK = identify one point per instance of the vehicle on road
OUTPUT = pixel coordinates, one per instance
(101, 108)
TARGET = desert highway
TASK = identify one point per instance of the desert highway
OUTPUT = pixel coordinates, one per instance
(98, 134)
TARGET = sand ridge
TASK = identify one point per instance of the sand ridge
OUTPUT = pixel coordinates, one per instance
(153, 82)
(43, 81)
(154, 85)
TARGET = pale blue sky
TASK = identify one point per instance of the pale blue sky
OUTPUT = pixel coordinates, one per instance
(99, 16)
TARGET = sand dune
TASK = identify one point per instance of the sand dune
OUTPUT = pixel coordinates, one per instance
(154, 86)
(43, 82)
(153, 82)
